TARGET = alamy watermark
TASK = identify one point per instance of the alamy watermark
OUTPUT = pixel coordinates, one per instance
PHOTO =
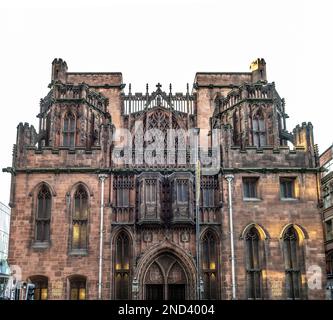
(170, 147)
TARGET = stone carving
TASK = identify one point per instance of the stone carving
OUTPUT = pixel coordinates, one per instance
(147, 236)
(185, 236)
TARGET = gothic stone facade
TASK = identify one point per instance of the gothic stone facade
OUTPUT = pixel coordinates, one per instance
(326, 162)
(66, 171)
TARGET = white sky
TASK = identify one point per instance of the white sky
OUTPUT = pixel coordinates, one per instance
(165, 41)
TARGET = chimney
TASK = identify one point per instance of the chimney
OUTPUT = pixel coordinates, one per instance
(59, 71)
(258, 69)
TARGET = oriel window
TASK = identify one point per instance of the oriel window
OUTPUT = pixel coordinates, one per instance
(182, 191)
(150, 192)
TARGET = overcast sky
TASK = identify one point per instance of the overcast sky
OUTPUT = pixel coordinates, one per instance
(166, 41)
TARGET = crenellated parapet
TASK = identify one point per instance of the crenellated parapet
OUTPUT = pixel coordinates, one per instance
(256, 113)
(71, 93)
(30, 154)
(258, 69)
(268, 158)
(26, 137)
(248, 111)
(85, 109)
(59, 70)
(46, 158)
(254, 92)
(303, 137)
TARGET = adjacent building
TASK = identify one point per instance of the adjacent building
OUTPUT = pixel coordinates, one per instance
(326, 162)
(108, 204)
(4, 239)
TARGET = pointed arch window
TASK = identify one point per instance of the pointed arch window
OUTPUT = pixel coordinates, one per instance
(48, 130)
(209, 266)
(77, 288)
(122, 267)
(43, 215)
(80, 219)
(253, 264)
(291, 250)
(236, 125)
(259, 130)
(92, 130)
(41, 287)
(69, 130)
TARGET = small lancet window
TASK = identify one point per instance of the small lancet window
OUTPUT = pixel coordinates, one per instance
(259, 130)
(69, 130)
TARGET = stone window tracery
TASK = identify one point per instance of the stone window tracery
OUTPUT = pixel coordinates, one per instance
(43, 216)
(291, 250)
(253, 264)
(209, 266)
(80, 220)
(122, 267)
(69, 130)
(259, 130)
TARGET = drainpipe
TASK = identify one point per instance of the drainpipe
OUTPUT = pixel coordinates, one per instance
(196, 132)
(197, 212)
(102, 178)
(229, 178)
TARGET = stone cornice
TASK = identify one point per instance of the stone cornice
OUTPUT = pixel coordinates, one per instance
(108, 86)
(70, 170)
(212, 86)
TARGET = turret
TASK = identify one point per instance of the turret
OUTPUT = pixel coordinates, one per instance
(303, 137)
(26, 136)
(258, 69)
(59, 70)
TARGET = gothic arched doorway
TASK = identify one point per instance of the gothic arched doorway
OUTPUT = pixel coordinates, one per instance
(165, 279)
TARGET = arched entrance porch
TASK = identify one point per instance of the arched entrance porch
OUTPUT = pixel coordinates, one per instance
(166, 274)
(165, 279)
